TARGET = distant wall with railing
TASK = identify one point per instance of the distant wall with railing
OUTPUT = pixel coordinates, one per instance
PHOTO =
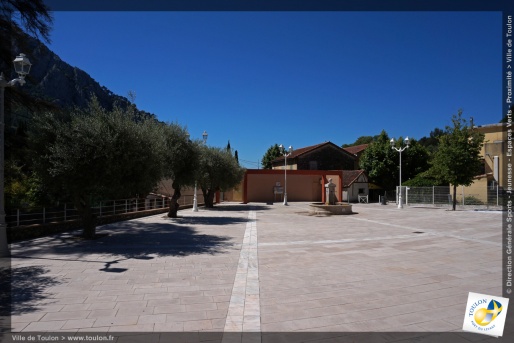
(67, 212)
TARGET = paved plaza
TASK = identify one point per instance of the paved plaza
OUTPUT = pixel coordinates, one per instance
(264, 269)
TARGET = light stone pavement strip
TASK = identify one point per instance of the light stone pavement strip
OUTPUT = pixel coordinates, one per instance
(379, 270)
(244, 309)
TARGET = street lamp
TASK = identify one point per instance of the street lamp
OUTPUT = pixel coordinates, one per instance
(406, 141)
(22, 68)
(195, 197)
(286, 154)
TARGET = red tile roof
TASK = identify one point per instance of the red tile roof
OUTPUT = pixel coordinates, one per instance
(304, 150)
(350, 176)
(356, 148)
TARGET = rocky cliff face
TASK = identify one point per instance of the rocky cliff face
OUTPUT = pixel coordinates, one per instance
(55, 82)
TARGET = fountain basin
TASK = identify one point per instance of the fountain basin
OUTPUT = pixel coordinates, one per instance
(336, 209)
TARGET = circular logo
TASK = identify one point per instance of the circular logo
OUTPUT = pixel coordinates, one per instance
(485, 316)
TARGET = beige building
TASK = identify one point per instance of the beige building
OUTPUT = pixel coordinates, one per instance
(488, 185)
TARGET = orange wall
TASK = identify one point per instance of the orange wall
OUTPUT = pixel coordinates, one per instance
(304, 185)
(299, 188)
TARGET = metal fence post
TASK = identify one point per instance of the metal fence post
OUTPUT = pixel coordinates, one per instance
(497, 195)
(136, 204)
(18, 217)
(100, 209)
(126, 204)
(463, 202)
(44, 215)
(433, 195)
(64, 211)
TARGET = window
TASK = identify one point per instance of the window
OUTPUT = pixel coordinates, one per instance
(361, 190)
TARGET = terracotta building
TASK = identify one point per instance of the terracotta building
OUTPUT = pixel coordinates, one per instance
(324, 156)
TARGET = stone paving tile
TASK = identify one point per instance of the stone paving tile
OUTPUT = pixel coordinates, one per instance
(65, 315)
(129, 311)
(28, 318)
(197, 325)
(116, 321)
(102, 313)
(169, 327)
(149, 319)
(132, 328)
(45, 326)
(201, 307)
(102, 306)
(169, 309)
(78, 323)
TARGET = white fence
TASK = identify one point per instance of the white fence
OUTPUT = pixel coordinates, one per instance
(66, 212)
(443, 195)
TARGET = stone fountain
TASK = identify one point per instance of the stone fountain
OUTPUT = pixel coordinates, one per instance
(331, 205)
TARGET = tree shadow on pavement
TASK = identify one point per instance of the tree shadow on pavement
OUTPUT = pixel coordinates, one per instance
(133, 240)
(210, 220)
(238, 208)
(137, 240)
(26, 288)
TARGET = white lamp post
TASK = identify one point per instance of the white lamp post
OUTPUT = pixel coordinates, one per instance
(406, 141)
(286, 154)
(22, 67)
(195, 197)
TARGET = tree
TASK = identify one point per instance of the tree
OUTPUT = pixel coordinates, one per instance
(431, 143)
(415, 160)
(423, 179)
(379, 162)
(271, 154)
(382, 163)
(359, 141)
(218, 171)
(181, 160)
(458, 160)
(95, 154)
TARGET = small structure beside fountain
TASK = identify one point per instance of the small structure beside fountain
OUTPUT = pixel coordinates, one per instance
(331, 205)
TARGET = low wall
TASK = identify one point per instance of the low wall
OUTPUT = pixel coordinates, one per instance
(21, 233)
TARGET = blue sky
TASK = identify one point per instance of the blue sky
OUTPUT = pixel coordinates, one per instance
(293, 78)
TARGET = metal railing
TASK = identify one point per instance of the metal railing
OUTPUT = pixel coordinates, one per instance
(67, 212)
(492, 198)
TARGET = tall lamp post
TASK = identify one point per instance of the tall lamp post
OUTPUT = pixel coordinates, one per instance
(22, 68)
(400, 149)
(195, 197)
(286, 153)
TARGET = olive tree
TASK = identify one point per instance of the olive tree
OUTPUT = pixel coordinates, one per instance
(96, 154)
(180, 159)
(218, 170)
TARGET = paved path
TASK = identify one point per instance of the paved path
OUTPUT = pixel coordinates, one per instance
(261, 268)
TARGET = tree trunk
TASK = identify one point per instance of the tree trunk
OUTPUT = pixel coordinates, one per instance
(174, 206)
(454, 197)
(89, 221)
(208, 198)
(83, 206)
